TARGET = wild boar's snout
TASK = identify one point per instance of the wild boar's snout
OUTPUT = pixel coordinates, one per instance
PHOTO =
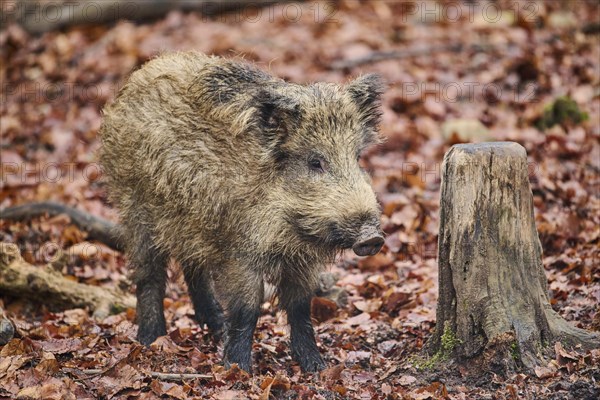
(369, 242)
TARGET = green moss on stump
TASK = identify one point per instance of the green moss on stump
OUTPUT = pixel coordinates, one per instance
(515, 353)
(448, 342)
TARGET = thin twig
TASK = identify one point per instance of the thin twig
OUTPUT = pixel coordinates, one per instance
(378, 56)
(158, 375)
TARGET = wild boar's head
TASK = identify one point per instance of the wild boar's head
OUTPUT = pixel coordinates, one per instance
(314, 136)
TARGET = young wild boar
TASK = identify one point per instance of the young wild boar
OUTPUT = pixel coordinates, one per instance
(243, 179)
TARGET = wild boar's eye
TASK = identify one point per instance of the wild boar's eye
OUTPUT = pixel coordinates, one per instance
(317, 164)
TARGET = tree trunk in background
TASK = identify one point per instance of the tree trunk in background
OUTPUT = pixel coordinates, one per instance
(493, 308)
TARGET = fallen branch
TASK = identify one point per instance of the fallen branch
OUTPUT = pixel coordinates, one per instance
(33, 15)
(43, 284)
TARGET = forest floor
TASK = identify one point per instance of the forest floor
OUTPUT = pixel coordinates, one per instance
(456, 74)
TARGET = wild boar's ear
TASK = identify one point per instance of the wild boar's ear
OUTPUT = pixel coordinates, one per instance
(366, 92)
(277, 115)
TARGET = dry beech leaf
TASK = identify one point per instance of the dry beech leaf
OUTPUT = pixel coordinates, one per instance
(323, 309)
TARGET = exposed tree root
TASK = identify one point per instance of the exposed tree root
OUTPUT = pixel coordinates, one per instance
(97, 228)
(45, 285)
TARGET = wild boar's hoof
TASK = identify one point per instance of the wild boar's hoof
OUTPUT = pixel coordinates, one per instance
(149, 335)
(245, 365)
(312, 363)
(368, 247)
(214, 319)
(216, 330)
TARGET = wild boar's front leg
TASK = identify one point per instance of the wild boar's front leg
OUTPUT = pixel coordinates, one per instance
(206, 307)
(150, 277)
(303, 345)
(243, 294)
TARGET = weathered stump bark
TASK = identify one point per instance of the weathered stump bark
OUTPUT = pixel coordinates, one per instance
(493, 307)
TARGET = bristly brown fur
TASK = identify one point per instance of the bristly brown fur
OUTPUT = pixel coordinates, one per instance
(208, 162)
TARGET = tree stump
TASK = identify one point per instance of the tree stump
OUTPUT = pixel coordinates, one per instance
(493, 308)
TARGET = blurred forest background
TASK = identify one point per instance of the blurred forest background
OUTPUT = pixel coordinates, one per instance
(458, 71)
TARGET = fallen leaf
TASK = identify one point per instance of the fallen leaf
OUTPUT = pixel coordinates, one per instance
(465, 130)
(322, 309)
(230, 395)
(358, 319)
(406, 380)
(60, 346)
(170, 389)
(48, 364)
(368, 305)
(167, 345)
(544, 372)
(332, 373)
(16, 347)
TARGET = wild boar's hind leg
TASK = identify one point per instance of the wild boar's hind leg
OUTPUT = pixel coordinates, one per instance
(207, 309)
(303, 344)
(150, 277)
(243, 294)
